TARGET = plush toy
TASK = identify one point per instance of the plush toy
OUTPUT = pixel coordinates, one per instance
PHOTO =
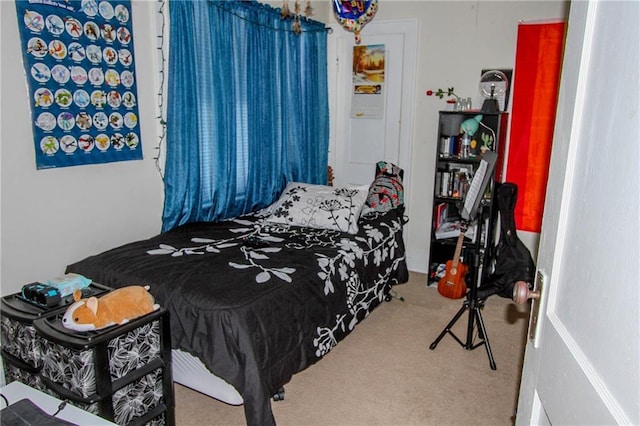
(116, 307)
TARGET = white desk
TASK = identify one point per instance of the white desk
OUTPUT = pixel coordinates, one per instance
(15, 391)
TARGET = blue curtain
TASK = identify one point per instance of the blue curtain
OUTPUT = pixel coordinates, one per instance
(247, 108)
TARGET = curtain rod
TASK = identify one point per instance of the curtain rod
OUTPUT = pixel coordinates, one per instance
(220, 6)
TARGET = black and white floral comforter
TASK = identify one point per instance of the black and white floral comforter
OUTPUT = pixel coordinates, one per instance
(258, 301)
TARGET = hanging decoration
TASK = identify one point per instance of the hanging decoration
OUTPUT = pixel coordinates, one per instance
(80, 69)
(285, 12)
(353, 15)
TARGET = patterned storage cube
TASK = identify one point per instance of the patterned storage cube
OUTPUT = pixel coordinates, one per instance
(21, 345)
(143, 398)
(135, 399)
(75, 369)
(19, 339)
(122, 373)
(16, 372)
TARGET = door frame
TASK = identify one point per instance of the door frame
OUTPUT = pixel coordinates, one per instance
(338, 101)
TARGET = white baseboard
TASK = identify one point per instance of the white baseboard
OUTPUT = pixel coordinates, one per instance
(417, 261)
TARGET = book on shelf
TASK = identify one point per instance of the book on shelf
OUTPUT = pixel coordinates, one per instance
(454, 181)
(445, 212)
(449, 146)
(451, 229)
(440, 214)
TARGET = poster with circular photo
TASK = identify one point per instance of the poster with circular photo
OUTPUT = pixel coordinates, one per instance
(61, 74)
(81, 98)
(54, 24)
(66, 120)
(124, 36)
(84, 121)
(106, 10)
(98, 98)
(86, 143)
(49, 145)
(64, 98)
(46, 121)
(96, 76)
(33, 21)
(114, 99)
(37, 47)
(92, 30)
(40, 72)
(81, 73)
(43, 97)
(100, 120)
(94, 53)
(57, 49)
(76, 52)
(68, 144)
(73, 27)
(103, 142)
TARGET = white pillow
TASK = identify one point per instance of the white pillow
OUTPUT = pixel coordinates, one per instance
(319, 206)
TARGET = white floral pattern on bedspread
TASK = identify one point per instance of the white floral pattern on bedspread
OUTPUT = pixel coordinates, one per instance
(258, 301)
(254, 239)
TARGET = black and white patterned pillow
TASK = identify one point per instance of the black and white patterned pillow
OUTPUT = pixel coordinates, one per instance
(319, 206)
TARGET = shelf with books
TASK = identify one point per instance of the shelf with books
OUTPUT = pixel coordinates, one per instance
(454, 171)
(453, 179)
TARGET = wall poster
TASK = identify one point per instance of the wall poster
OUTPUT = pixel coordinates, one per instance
(367, 99)
(79, 62)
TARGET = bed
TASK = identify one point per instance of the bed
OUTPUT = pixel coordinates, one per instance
(256, 299)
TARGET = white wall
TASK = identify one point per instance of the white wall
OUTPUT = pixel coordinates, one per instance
(50, 218)
(457, 39)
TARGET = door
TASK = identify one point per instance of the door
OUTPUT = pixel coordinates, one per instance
(359, 142)
(582, 367)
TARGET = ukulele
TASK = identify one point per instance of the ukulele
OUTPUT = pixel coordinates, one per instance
(452, 285)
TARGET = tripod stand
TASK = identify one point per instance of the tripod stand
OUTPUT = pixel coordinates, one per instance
(473, 200)
(474, 305)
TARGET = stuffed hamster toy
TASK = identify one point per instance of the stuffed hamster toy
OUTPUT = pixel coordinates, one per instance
(117, 307)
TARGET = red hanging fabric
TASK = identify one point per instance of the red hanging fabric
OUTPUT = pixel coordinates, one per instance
(535, 97)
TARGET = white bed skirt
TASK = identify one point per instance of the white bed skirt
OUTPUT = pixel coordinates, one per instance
(189, 371)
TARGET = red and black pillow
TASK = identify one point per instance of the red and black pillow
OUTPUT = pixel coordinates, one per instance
(386, 191)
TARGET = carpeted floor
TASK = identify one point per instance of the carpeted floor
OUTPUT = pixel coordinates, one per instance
(384, 373)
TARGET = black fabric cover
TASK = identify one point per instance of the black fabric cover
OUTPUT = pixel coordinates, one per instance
(257, 301)
(513, 261)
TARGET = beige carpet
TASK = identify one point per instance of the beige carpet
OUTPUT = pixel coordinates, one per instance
(384, 373)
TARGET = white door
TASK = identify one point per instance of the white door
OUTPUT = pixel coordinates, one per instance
(583, 367)
(357, 144)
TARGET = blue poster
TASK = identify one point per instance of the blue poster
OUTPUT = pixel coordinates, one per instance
(79, 62)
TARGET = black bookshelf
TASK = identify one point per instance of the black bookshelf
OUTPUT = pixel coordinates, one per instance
(455, 167)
